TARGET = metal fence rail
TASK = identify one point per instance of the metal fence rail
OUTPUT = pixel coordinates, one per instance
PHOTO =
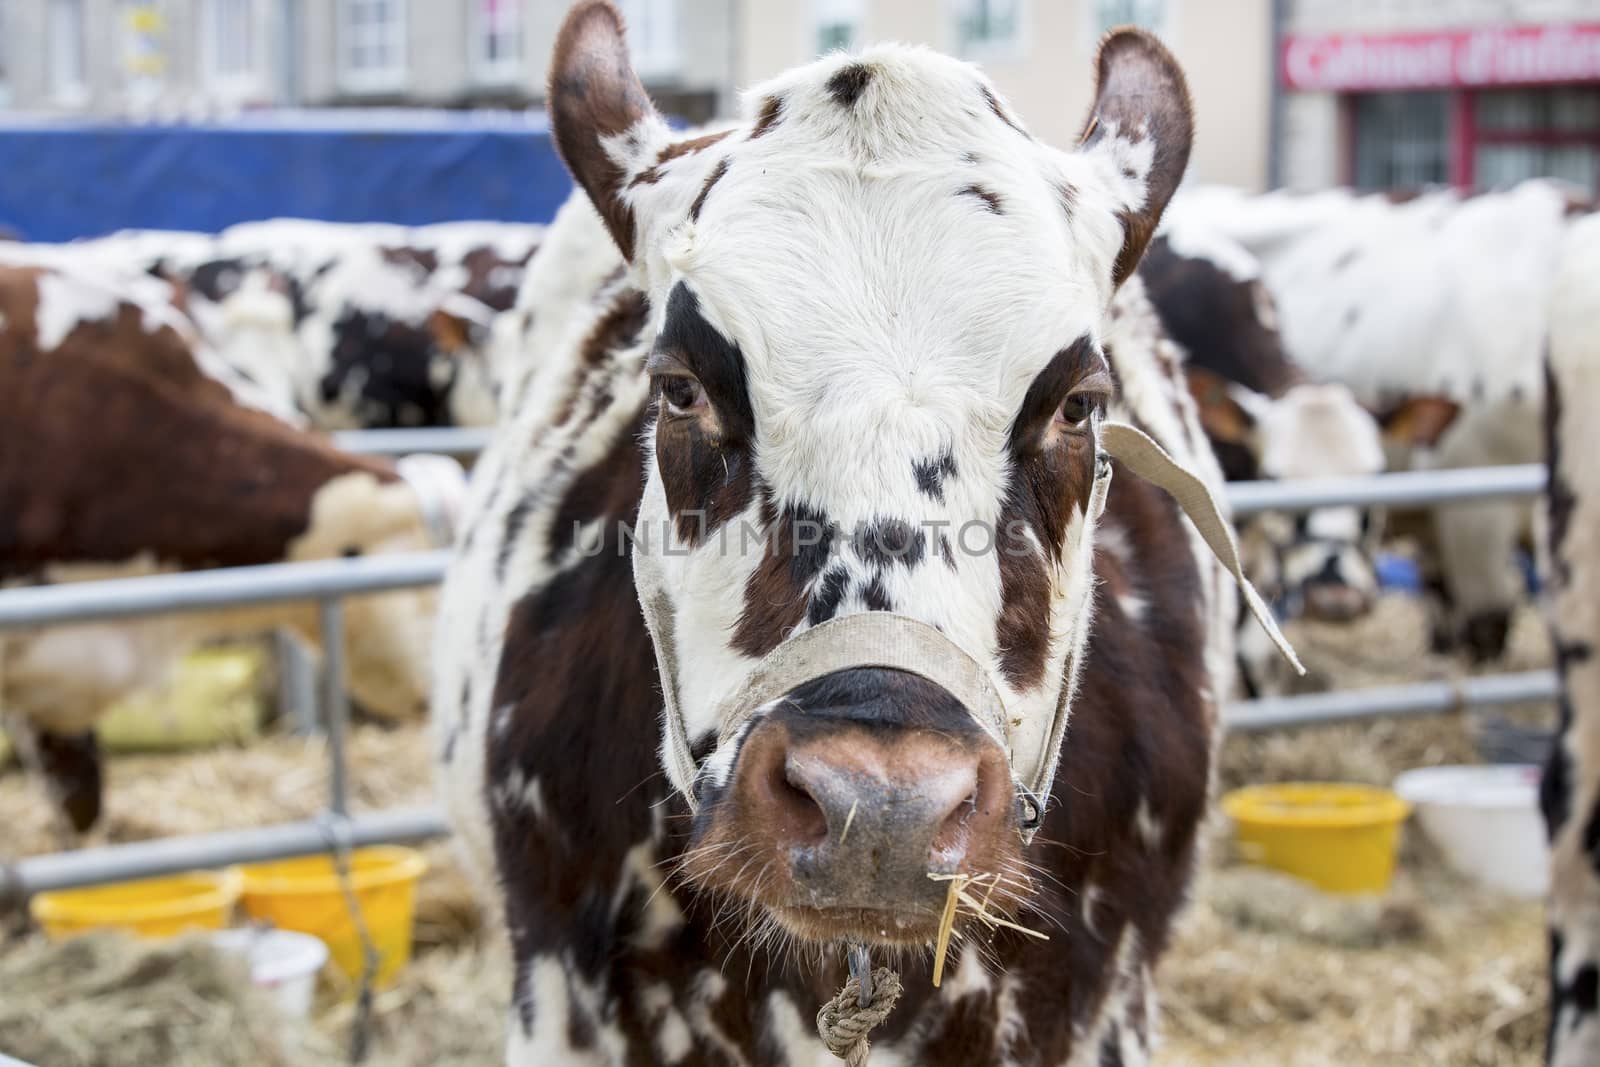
(215, 590)
(1401, 488)
(327, 582)
(463, 441)
(171, 855)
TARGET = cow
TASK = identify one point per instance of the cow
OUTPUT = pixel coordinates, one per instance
(131, 448)
(1267, 419)
(364, 326)
(1570, 790)
(729, 674)
(1476, 272)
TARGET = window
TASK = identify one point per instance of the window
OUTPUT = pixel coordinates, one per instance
(653, 35)
(988, 26)
(1534, 133)
(838, 24)
(372, 45)
(143, 29)
(231, 36)
(497, 39)
(1113, 13)
(67, 64)
(1401, 140)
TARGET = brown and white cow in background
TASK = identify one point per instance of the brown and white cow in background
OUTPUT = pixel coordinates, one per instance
(357, 326)
(1267, 419)
(851, 333)
(1441, 295)
(132, 448)
(1571, 789)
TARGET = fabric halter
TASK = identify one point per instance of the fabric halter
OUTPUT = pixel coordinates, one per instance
(886, 639)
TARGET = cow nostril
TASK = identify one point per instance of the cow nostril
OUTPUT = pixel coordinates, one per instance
(799, 814)
(951, 837)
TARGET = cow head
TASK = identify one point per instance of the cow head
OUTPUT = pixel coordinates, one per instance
(1266, 421)
(1317, 563)
(877, 373)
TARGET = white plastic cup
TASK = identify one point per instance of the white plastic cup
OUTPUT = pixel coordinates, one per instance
(283, 961)
(1486, 821)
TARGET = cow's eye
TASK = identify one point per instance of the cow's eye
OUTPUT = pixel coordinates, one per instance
(1076, 409)
(683, 396)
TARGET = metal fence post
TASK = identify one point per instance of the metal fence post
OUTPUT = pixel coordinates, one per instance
(335, 705)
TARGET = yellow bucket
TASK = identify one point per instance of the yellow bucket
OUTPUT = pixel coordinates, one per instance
(305, 895)
(154, 907)
(1341, 838)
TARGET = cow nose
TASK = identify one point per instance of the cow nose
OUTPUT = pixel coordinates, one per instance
(1336, 602)
(1340, 590)
(864, 816)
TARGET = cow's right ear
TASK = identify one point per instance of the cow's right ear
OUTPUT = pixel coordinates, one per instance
(602, 122)
(1417, 421)
(1225, 414)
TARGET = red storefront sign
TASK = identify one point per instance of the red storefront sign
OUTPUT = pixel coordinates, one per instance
(1503, 55)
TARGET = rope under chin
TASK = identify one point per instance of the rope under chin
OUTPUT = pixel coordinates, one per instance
(865, 1001)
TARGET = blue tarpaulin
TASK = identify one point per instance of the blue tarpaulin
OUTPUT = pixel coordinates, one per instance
(65, 179)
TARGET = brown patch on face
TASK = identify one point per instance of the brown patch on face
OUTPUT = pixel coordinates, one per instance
(674, 151)
(1139, 84)
(775, 595)
(992, 102)
(706, 478)
(705, 190)
(133, 448)
(771, 112)
(849, 82)
(594, 94)
(1052, 473)
(990, 198)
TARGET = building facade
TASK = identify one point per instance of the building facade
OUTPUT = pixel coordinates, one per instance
(117, 58)
(1039, 53)
(1475, 93)
(1304, 93)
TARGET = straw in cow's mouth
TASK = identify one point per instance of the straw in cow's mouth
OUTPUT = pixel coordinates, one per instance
(956, 895)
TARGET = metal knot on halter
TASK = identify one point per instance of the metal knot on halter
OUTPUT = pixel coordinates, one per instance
(1030, 811)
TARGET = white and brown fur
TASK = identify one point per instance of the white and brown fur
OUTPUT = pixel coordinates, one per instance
(1571, 789)
(129, 453)
(880, 262)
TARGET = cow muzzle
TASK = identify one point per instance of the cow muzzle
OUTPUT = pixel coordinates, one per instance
(851, 797)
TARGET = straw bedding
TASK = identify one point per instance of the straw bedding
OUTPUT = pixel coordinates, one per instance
(1263, 972)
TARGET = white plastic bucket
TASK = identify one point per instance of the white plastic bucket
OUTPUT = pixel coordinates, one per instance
(283, 961)
(1486, 821)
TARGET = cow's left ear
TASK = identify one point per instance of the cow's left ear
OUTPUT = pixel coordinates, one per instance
(603, 124)
(1143, 124)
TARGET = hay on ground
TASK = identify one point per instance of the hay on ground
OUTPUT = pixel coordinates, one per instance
(108, 1000)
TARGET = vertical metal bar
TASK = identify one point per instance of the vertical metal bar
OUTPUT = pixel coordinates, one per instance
(297, 682)
(335, 706)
